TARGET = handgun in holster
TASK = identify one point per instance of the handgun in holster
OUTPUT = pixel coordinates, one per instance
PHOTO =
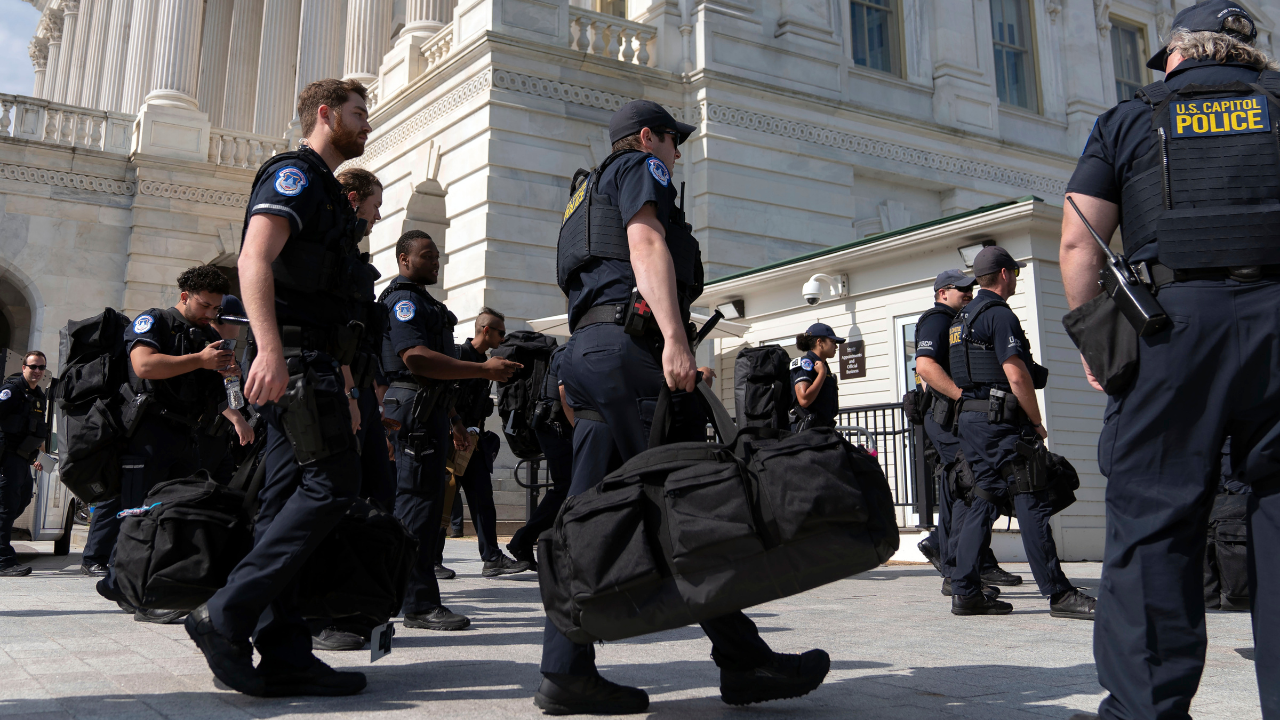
(418, 444)
(1027, 472)
(304, 416)
(1002, 406)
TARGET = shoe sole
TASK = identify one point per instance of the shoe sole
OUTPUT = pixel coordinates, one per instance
(450, 576)
(166, 620)
(311, 689)
(1004, 583)
(317, 645)
(964, 613)
(436, 626)
(748, 699)
(550, 707)
(17, 574)
(1070, 615)
(503, 571)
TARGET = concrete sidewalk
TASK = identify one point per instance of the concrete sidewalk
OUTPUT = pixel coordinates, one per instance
(896, 653)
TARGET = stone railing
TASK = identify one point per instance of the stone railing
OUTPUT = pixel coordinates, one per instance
(49, 122)
(236, 148)
(437, 48)
(611, 37)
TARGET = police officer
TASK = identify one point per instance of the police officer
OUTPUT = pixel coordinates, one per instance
(613, 379)
(1193, 197)
(298, 262)
(952, 290)
(816, 397)
(991, 362)
(22, 433)
(473, 406)
(421, 362)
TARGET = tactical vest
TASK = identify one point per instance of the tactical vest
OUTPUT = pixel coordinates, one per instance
(1208, 193)
(317, 269)
(593, 228)
(28, 421)
(392, 365)
(942, 358)
(973, 363)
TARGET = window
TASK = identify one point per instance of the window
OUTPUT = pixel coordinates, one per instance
(1128, 50)
(875, 34)
(1015, 65)
(616, 8)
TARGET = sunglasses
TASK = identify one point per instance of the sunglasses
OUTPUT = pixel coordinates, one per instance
(675, 136)
(37, 367)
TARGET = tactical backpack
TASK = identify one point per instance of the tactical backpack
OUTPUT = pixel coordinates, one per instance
(761, 392)
(1226, 563)
(518, 396)
(689, 531)
(93, 366)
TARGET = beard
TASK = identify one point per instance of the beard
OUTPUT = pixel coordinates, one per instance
(346, 140)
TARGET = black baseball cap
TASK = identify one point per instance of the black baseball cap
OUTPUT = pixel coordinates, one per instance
(824, 330)
(953, 278)
(993, 259)
(639, 114)
(1209, 16)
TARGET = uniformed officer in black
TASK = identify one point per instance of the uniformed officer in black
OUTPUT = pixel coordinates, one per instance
(952, 290)
(812, 385)
(22, 432)
(1192, 184)
(298, 263)
(993, 358)
(421, 361)
(473, 406)
(613, 380)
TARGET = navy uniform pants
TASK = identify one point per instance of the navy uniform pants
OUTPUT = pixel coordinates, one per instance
(477, 483)
(104, 528)
(557, 451)
(16, 487)
(298, 506)
(420, 486)
(988, 447)
(617, 376)
(942, 538)
(377, 481)
(1214, 373)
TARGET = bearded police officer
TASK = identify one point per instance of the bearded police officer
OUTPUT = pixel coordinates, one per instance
(991, 363)
(952, 290)
(641, 271)
(1188, 170)
(22, 433)
(298, 262)
(421, 361)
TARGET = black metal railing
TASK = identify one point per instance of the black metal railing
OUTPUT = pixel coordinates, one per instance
(900, 450)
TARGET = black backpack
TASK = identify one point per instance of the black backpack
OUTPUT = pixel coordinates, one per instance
(689, 531)
(1226, 563)
(761, 392)
(518, 397)
(92, 367)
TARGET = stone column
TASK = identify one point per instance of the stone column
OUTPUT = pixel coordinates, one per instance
(277, 70)
(368, 31)
(70, 18)
(113, 66)
(39, 52)
(170, 123)
(137, 68)
(242, 65)
(215, 39)
(95, 53)
(51, 29)
(78, 52)
(422, 20)
(426, 16)
(319, 50)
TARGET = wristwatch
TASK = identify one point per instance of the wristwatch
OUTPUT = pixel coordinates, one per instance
(353, 393)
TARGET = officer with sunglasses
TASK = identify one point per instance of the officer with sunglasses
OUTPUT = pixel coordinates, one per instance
(22, 432)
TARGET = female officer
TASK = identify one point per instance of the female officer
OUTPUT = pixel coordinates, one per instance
(816, 396)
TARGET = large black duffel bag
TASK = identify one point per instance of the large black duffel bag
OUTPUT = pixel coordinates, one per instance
(689, 531)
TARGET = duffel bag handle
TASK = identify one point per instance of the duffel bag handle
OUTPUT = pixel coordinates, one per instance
(724, 425)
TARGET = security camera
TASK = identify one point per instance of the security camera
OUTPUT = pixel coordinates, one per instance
(812, 292)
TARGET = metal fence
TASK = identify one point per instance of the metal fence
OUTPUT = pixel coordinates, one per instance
(899, 449)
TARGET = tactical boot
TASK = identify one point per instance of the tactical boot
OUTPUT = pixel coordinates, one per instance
(990, 591)
(444, 573)
(15, 570)
(114, 596)
(930, 554)
(523, 554)
(438, 619)
(503, 566)
(230, 661)
(331, 638)
(588, 695)
(159, 617)
(93, 570)
(318, 679)
(997, 576)
(784, 676)
(979, 604)
(1072, 604)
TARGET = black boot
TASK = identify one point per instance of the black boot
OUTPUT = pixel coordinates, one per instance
(318, 679)
(93, 569)
(159, 617)
(231, 662)
(1072, 604)
(997, 576)
(439, 619)
(979, 604)
(588, 695)
(331, 638)
(503, 566)
(784, 676)
(931, 554)
(444, 573)
(114, 596)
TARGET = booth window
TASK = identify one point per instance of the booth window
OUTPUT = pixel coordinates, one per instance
(1128, 49)
(875, 34)
(1014, 57)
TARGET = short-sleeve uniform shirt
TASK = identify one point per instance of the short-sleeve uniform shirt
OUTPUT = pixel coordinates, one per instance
(630, 181)
(931, 336)
(999, 327)
(416, 321)
(805, 369)
(164, 330)
(21, 409)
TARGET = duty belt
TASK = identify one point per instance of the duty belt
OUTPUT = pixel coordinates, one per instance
(340, 342)
(611, 313)
(1157, 275)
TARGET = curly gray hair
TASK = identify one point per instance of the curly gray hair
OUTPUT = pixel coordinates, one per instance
(1228, 46)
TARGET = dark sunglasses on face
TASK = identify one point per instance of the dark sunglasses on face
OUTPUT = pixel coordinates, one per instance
(675, 136)
(37, 367)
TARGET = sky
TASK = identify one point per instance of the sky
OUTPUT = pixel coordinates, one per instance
(16, 72)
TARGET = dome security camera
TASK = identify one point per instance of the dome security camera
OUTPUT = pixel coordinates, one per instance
(812, 292)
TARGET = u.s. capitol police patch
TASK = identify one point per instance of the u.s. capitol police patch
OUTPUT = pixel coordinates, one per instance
(290, 181)
(659, 171)
(405, 310)
(143, 323)
(806, 363)
(5, 394)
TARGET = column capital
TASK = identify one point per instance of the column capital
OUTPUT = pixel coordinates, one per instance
(39, 52)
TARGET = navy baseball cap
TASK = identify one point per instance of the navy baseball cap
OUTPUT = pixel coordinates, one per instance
(639, 114)
(1209, 16)
(231, 305)
(953, 278)
(824, 330)
(992, 259)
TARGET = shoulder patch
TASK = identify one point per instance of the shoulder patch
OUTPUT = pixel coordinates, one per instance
(5, 394)
(659, 171)
(143, 324)
(806, 363)
(405, 310)
(290, 181)
(795, 363)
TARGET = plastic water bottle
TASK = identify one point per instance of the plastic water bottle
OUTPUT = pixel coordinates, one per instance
(235, 399)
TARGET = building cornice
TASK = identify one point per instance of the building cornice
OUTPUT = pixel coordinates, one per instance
(424, 117)
(192, 193)
(61, 178)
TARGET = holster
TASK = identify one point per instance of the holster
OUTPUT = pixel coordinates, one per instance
(427, 399)
(1106, 340)
(1002, 406)
(942, 409)
(801, 418)
(134, 408)
(316, 425)
(29, 448)
(1029, 471)
(418, 444)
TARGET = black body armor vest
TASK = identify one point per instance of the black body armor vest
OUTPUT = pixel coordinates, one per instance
(392, 365)
(1209, 191)
(973, 363)
(593, 227)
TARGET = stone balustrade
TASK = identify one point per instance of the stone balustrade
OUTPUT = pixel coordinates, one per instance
(611, 37)
(40, 120)
(437, 48)
(236, 148)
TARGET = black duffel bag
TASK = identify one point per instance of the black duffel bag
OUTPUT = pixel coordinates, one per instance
(690, 531)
